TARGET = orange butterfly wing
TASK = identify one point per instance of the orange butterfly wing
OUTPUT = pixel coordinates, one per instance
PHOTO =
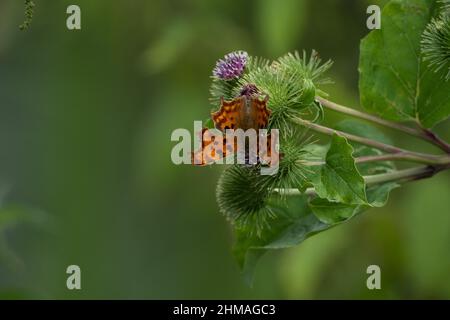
(261, 112)
(240, 113)
(229, 114)
(213, 148)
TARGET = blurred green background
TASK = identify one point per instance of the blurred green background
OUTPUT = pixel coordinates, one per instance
(86, 176)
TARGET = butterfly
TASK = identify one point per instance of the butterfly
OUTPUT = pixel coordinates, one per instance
(247, 111)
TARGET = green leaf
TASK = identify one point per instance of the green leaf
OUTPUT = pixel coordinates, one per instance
(315, 151)
(378, 195)
(296, 219)
(394, 80)
(338, 180)
(365, 130)
(293, 223)
(332, 212)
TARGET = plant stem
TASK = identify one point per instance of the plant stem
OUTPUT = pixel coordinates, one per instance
(376, 158)
(382, 157)
(401, 176)
(399, 152)
(421, 133)
(434, 138)
(405, 175)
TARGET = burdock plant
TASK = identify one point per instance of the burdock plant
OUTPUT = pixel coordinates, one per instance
(403, 86)
(29, 12)
(436, 41)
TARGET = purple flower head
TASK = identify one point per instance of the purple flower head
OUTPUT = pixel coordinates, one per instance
(231, 66)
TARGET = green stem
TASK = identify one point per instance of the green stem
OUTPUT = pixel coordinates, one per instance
(376, 158)
(421, 133)
(401, 154)
(401, 176)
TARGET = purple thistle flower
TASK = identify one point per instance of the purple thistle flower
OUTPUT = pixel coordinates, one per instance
(231, 66)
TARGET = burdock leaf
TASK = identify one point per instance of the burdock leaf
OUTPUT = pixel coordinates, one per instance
(295, 221)
(365, 130)
(338, 180)
(395, 81)
(333, 212)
